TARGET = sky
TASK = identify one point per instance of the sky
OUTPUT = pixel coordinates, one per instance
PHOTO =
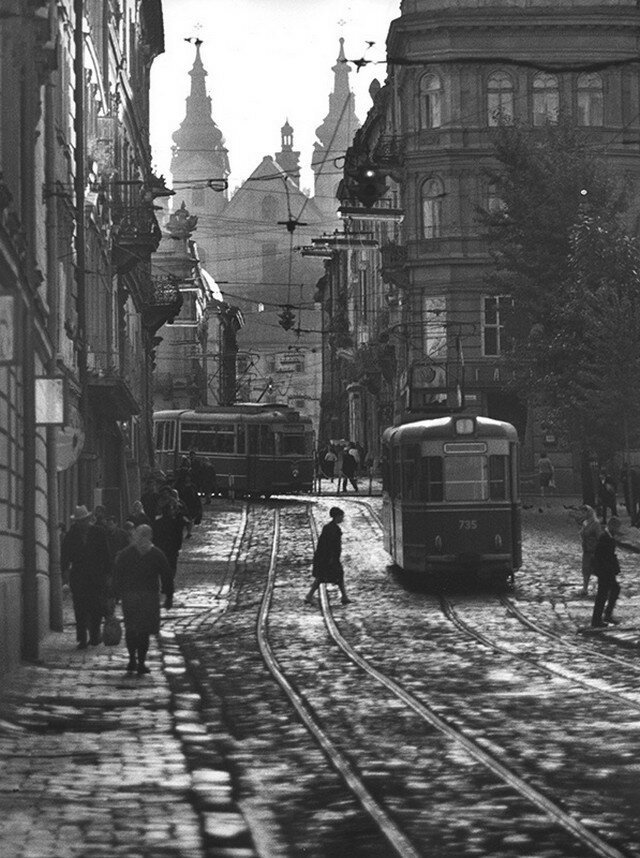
(267, 61)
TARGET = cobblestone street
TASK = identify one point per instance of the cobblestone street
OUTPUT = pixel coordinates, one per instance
(206, 756)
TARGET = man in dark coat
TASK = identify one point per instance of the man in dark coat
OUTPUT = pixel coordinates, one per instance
(141, 570)
(189, 496)
(349, 468)
(168, 531)
(606, 567)
(327, 566)
(85, 560)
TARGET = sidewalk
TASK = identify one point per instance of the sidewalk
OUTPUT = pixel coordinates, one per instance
(95, 763)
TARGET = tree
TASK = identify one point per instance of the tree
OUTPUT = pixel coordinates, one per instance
(561, 252)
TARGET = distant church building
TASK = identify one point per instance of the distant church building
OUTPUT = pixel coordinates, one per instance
(250, 242)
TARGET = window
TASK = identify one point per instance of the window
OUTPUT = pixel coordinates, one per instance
(207, 438)
(165, 435)
(431, 482)
(590, 100)
(267, 441)
(494, 309)
(546, 99)
(396, 481)
(434, 326)
(292, 445)
(410, 482)
(493, 201)
(467, 478)
(432, 194)
(430, 101)
(499, 98)
(498, 477)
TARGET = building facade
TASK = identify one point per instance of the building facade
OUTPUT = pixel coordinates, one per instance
(77, 228)
(456, 70)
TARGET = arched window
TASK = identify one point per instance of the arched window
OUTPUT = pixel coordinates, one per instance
(546, 99)
(430, 101)
(499, 98)
(432, 195)
(590, 100)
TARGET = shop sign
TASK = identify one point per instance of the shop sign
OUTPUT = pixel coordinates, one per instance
(50, 399)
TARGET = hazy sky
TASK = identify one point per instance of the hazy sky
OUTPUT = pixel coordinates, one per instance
(267, 60)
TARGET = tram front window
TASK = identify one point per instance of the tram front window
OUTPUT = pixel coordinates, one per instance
(292, 445)
(467, 478)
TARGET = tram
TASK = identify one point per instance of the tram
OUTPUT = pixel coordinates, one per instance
(451, 501)
(255, 449)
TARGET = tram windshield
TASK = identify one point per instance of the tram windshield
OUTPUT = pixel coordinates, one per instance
(476, 478)
(294, 444)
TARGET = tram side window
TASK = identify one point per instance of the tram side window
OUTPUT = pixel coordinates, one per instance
(431, 482)
(396, 476)
(292, 445)
(240, 438)
(498, 477)
(384, 465)
(410, 482)
(161, 435)
(267, 441)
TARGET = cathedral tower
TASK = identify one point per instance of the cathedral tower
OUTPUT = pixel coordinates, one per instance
(335, 135)
(200, 163)
(286, 157)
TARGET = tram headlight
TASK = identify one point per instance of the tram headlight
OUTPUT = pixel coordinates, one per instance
(438, 542)
(498, 541)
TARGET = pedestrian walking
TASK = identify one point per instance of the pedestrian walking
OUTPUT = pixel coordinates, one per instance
(141, 571)
(606, 567)
(590, 532)
(168, 530)
(138, 516)
(327, 565)
(546, 473)
(607, 495)
(150, 499)
(86, 565)
(329, 464)
(189, 496)
(349, 467)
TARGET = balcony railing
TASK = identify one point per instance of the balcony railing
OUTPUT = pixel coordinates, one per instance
(136, 235)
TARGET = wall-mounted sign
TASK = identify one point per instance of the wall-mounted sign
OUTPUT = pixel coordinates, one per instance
(7, 329)
(50, 401)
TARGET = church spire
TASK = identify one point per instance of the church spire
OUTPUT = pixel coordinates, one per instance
(335, 134)
(199, 151)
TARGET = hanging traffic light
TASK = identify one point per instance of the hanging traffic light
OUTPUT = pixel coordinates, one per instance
(286, 319)
(370, 185)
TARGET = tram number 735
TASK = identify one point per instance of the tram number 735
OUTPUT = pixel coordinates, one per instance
(467, 524)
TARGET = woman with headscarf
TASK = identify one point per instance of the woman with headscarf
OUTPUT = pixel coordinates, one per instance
(327, 566)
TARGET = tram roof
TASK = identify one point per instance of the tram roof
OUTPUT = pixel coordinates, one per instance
(254, 412)
(444, 427)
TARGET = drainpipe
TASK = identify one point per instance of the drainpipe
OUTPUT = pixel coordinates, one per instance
(80, 277)
(55, 574)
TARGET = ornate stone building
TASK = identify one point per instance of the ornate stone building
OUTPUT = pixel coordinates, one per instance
(78, 308)
(455, 70)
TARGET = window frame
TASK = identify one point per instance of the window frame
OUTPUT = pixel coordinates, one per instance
(496, 114)
(594, 96)
(430, 97)
(497, 326)
(542, 93)
(431, 204)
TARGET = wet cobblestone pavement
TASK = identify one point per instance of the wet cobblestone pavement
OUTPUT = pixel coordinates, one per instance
(206, 757)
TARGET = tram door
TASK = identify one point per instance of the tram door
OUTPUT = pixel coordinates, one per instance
(253, 436)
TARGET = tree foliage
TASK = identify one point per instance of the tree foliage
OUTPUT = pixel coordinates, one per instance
(562, 252)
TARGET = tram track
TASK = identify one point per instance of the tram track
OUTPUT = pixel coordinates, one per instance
(426, 711)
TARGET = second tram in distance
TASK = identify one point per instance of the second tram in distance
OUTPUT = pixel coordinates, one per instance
(255, 449)
(451, 499)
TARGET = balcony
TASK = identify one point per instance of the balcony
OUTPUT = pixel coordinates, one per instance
(161, 301)
(136, 235)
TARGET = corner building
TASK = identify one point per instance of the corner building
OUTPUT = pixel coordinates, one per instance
(454, 69)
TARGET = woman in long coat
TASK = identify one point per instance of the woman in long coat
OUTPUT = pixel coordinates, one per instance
(327, 566)
(140, 570)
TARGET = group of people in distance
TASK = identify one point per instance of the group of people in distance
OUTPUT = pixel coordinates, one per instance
(103, 563)
(344, 460)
